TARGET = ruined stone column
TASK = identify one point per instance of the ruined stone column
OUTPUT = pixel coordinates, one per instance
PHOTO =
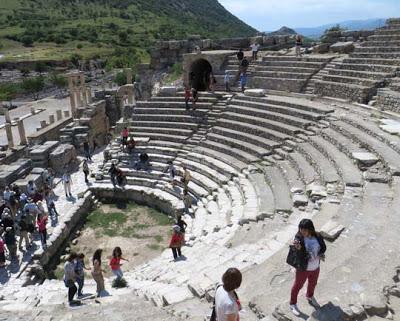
(9, 134)
(52, 119)
(78, 98)
(21, 131)
(7, 115)
(83, 88)
(130, 94)
(128, 73)
(33, 111)
(89, 95)
(59, 114)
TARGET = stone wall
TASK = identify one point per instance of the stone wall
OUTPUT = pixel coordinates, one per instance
(344, 36)
(388, 100)
(342, 90)
(51, 132)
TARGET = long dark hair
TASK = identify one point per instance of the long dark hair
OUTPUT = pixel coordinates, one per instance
(117, 252)
(307, 224)
(97, 255)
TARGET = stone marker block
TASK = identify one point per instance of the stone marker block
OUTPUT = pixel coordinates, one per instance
(168, 91)
(331, 230)
(255, 92)
(366, 159)
(343, 47)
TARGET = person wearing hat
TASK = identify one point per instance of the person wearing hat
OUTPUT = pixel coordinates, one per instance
(176, 242)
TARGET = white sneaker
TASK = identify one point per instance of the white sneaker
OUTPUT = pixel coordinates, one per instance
(295, 310)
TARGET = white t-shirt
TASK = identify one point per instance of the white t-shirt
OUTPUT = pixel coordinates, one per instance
(255, 47)
(225, 304)
(312, 248)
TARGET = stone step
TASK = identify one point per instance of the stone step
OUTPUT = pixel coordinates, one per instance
(296, 64)
(375, 43)
(325, 168)
(213, 163)
(386, 153)
(293, 113)
(162, 124)
(155, 118)
(198, 177)
(177, 131)
(349, 172)
(358, 93)
(291, 175)
(202, 99)
(371, 61)
(162, 136)
(280, 189)
(389, 32)
(168, 104)
(383, 49)
(212, 150)
(367, 67)
(281, 74)
(246, 137)
(230, 142)
(170, 110)
(294, 58)
(342, 142)
(306, 171)
(280, 84)
(358, 74)
(383, 55)
(350, 80)
(384, 38)
(304, 70)
(274, 125)
(265, 197)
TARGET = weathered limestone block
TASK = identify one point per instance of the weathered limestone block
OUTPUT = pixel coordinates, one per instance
(168, 91)
(255, 92)
(365, 159)
(375, 304)
(321, 48)
(331, 230)
(63, 155)
(342, 47)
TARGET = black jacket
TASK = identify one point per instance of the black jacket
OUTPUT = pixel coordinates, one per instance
(302, 253)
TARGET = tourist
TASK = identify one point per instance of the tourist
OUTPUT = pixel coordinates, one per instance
(115, 263)
(6, 219)
(227, 80)
(144, 161)
(41, 224)
(244, 65)
(38, 196)
(70, 278)
(131, 145)
(226, 302)
(67, 182)
(137, 89)
(187, 202)
(17, 194)
(11, 242)
(97, 272)
(299, 43)
(86, 149)
(195, 97)
(10, 199)
(240, 56)
(176, 242)
(186, 177)
(31, 211)
(31, 188)
(121, 179)
(113, 174)
(40, 207)
(125, 135)
(254, 50)
(2, 252)
(53, 213)
(188, 95)
(212, 82)
(86, 171)
(309, 248)
(24, 232)
(23, 200)
(243, 82)
(80, 272)
(49, 181)
(172, 172)
(182, 225)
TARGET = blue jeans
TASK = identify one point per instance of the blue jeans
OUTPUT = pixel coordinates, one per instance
(81, 282)
(118, 273)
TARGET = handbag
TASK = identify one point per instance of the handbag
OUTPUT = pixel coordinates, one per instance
(69, 283)
(293, 257)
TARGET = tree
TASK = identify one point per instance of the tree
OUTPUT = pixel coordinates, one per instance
(27, 40)
(33, 86)
(59, 81)
(120, 79)
(8, 92)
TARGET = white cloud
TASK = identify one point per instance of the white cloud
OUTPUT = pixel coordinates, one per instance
(271, 14)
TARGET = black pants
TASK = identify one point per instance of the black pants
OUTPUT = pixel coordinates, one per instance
(86, 176)
(255, 55)
(71, 292)
(176, 251)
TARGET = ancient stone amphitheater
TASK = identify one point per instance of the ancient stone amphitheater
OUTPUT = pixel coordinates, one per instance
(259, 165)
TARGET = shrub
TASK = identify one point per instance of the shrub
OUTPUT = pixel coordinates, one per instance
(119, 283)
(27, 41)
(120, 79)
(79, 46)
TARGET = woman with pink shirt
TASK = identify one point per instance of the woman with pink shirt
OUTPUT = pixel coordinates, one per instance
(41, 224)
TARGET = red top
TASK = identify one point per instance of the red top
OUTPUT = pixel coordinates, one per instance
(1, 246)
(176, 240)
(187, 93)
(125, 132)
(41, 223)
(115, 263)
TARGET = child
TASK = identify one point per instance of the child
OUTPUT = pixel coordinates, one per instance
(2, 253)
(41, 224)
(115, 262)
(79, 271)
(176, 242)
(188, 95)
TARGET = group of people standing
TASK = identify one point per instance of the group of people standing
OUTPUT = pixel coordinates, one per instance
(74, 272)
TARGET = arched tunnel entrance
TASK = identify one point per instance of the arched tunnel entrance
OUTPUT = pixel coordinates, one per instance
(199, 74)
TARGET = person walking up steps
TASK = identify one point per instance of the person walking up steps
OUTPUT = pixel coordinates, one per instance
(240, 56)
(70, 278)
(124, 135)
(41, 224)
(226, 302)
(299, 43)
(80, 272)
(186, 177)
(176, 242)
(86, 171)
(115, 263)
(305, 255)
(227, 80)
(67, 181)
(188, 95)
(254, 50)
(97, 272)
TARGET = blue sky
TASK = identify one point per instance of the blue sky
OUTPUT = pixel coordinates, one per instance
(268, 15)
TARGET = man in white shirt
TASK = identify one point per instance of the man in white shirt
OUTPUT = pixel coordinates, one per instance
(67, 182)
(254, 50)
(227, 80)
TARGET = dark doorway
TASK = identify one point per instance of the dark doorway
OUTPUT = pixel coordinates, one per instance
(199, 75)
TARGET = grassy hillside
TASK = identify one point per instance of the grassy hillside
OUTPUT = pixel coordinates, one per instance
(87, 26)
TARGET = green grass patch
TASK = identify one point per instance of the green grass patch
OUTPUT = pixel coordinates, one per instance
(154, 247)
(158, 238)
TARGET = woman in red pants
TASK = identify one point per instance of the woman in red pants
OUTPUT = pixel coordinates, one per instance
(310, 249)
